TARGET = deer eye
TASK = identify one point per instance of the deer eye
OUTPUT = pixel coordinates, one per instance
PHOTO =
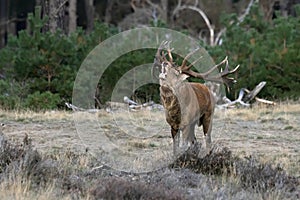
(164, 64)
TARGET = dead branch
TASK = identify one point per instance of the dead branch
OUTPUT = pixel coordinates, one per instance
(129, 101)
(156, 7)
(262, 100)
(98, 102)
(245, 100)
(213, 41)
(133, 106)
(235, 102)
(265, 101)
(240, 19)
(252, 94)
(75, 108)
(180, 7)
(58, 9)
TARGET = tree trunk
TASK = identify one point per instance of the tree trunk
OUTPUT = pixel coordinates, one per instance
(57, 15)
(38, 2)
(267, 8)
(108, 10)
(3, 21)
(72, 16)
(164, 16)
(89, 9)
(52, 19)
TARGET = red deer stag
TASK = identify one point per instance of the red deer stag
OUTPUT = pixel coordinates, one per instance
(187, 104)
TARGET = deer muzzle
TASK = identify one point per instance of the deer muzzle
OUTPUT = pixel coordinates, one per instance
(162, 76)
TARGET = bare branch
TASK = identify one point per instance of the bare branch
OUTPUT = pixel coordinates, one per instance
(218, 37)
(154, 5)
(196, 3)
(202, 14)
(74, 108)
(129, 101)
(55, 12)
(265, 101)
(244, 100)
(242, 17)
(237, 101)
(98, 102)
(252, 94)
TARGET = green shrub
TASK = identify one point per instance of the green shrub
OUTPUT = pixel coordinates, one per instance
(266, 52)
(47, 61)
(42, 101)
(12, 93)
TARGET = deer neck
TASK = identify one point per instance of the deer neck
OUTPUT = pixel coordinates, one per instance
(171, 105)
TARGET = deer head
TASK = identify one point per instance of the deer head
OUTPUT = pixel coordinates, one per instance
(171, 74)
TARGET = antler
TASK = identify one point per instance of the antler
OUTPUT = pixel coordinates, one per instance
(222, 77)
(160, 56)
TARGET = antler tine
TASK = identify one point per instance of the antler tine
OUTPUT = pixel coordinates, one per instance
(226, 70)
(204, 75)
(159, 57)
(169, 51)
(159, 54)
(222, 77)
(228, 81)
(183, 65)
(194, 62)
(216, 66)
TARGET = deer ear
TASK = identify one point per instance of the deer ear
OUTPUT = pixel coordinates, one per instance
(183, 77)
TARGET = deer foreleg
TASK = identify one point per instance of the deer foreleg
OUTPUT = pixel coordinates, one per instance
(207, 126)
(189, 135)
(176, 137)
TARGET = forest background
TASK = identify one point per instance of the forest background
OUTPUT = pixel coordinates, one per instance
(43, 44)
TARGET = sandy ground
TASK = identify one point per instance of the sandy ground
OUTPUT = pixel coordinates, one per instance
(142, 139)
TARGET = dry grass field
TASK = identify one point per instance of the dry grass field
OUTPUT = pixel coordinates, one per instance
(128, 155)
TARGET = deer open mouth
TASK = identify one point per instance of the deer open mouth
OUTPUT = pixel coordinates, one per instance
(162, 76)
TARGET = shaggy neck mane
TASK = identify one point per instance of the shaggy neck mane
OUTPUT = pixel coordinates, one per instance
(171, 105)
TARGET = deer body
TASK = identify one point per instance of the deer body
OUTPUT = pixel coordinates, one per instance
(187, 104)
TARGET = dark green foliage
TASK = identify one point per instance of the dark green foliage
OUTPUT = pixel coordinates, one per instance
(122, 65)
(266, 52)
(48, 62)
(42, 101)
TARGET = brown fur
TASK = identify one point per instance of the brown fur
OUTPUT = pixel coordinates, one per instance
(186, 105)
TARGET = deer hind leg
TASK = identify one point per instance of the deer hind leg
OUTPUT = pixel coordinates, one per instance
(176, 137)
(189, 135)
(207, 126)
